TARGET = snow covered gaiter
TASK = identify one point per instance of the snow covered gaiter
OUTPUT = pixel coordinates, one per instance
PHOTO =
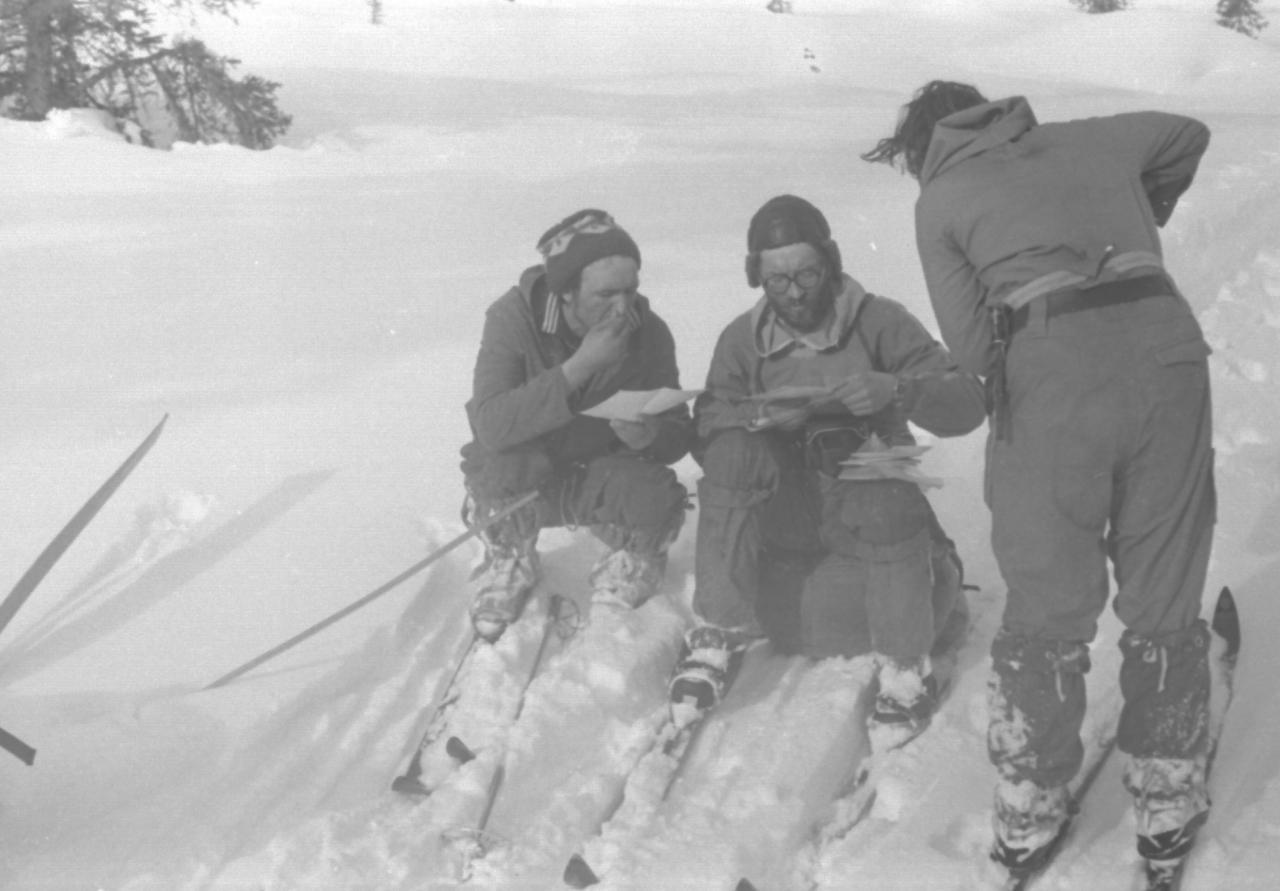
(1036, 698)
(1165, 682)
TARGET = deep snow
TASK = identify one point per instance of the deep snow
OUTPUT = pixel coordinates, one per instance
(308, 316)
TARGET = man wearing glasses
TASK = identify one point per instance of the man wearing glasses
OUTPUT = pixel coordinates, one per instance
(817, 369)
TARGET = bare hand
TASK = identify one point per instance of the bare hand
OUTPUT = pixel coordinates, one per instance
(637, 434)
(866, 392)
(605, 344)
(780, 416)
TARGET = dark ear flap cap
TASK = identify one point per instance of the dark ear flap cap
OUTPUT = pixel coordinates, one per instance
(753, 269)
(832, 252)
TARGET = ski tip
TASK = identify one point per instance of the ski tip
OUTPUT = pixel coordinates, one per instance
(1226, 621)
(744, 885)
(459, 751)
(407, 785)
(579, 874)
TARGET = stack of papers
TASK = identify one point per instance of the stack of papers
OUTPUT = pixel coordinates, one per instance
(877, 461)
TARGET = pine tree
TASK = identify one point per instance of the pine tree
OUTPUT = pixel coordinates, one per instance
(105, 54)
(1101, 5)
(1242, 16)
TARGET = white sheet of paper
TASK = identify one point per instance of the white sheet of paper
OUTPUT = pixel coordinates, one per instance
(629, 405)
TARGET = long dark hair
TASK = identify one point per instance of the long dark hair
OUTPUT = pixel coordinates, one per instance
(930, 104)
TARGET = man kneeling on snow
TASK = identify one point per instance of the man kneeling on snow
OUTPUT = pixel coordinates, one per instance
(572, 333)
(878, 573)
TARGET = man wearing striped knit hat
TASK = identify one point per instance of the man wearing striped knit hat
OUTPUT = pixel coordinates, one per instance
(573, 332)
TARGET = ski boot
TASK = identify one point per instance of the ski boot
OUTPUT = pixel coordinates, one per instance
(702, 673)
(627, 578)
(503, 584)
(508, 573)
(1171, 803)
(1029, 821)
(904, 705)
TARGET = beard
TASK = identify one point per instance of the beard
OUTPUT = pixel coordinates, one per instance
(807, 312)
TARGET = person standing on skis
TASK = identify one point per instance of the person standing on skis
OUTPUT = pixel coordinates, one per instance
(574, 331)
(1040, 249)
(879, 573)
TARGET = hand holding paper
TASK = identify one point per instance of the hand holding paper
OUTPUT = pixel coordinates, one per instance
(786, 408)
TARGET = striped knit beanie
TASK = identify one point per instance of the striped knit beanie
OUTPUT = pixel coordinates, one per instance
(578, 241)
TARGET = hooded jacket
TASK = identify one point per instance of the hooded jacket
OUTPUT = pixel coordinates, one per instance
(877, 334)
(1005, 201)
(520, 397)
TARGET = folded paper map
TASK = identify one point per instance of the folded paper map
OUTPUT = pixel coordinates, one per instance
(877, 461)
(630, 405)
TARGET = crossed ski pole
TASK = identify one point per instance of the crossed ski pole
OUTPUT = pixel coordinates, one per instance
(53, 551)
(413, 570)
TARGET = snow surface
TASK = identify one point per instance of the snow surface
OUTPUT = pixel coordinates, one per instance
(308, 317)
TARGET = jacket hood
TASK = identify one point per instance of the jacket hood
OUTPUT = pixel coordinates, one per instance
(972, 131)
(532, 280)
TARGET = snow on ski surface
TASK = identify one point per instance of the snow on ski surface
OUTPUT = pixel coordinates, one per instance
(309, 316)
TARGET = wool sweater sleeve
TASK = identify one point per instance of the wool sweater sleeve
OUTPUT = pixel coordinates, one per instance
(1165, 148)
(509, 405)
(938, 395)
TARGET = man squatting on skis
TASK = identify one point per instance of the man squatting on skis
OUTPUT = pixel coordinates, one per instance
(882, 574)
(1043, 263)
(572, 333)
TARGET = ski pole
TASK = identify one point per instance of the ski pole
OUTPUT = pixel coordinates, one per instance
(413, 570)
(54, 549)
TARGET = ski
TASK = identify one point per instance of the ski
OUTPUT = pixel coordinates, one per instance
(412, 782)
(661, 766)
(68, 534)
(473, 843)
(855, 800)
(54, 550)
(1224, 652)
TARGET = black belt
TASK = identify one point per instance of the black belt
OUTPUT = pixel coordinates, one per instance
(1109, 294)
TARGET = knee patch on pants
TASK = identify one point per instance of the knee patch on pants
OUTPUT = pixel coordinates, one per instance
(1037, 701)
(1165, 682)
(886, 512)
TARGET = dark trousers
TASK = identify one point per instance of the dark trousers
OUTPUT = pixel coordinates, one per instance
(866, 562)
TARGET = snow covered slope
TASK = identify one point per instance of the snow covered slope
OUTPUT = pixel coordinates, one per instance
(308, 316)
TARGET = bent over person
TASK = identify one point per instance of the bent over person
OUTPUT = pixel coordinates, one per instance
(1040, 249)
(572, 333)
(882, 575)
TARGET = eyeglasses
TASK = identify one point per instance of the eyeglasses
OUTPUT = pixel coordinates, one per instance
(805, 279)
